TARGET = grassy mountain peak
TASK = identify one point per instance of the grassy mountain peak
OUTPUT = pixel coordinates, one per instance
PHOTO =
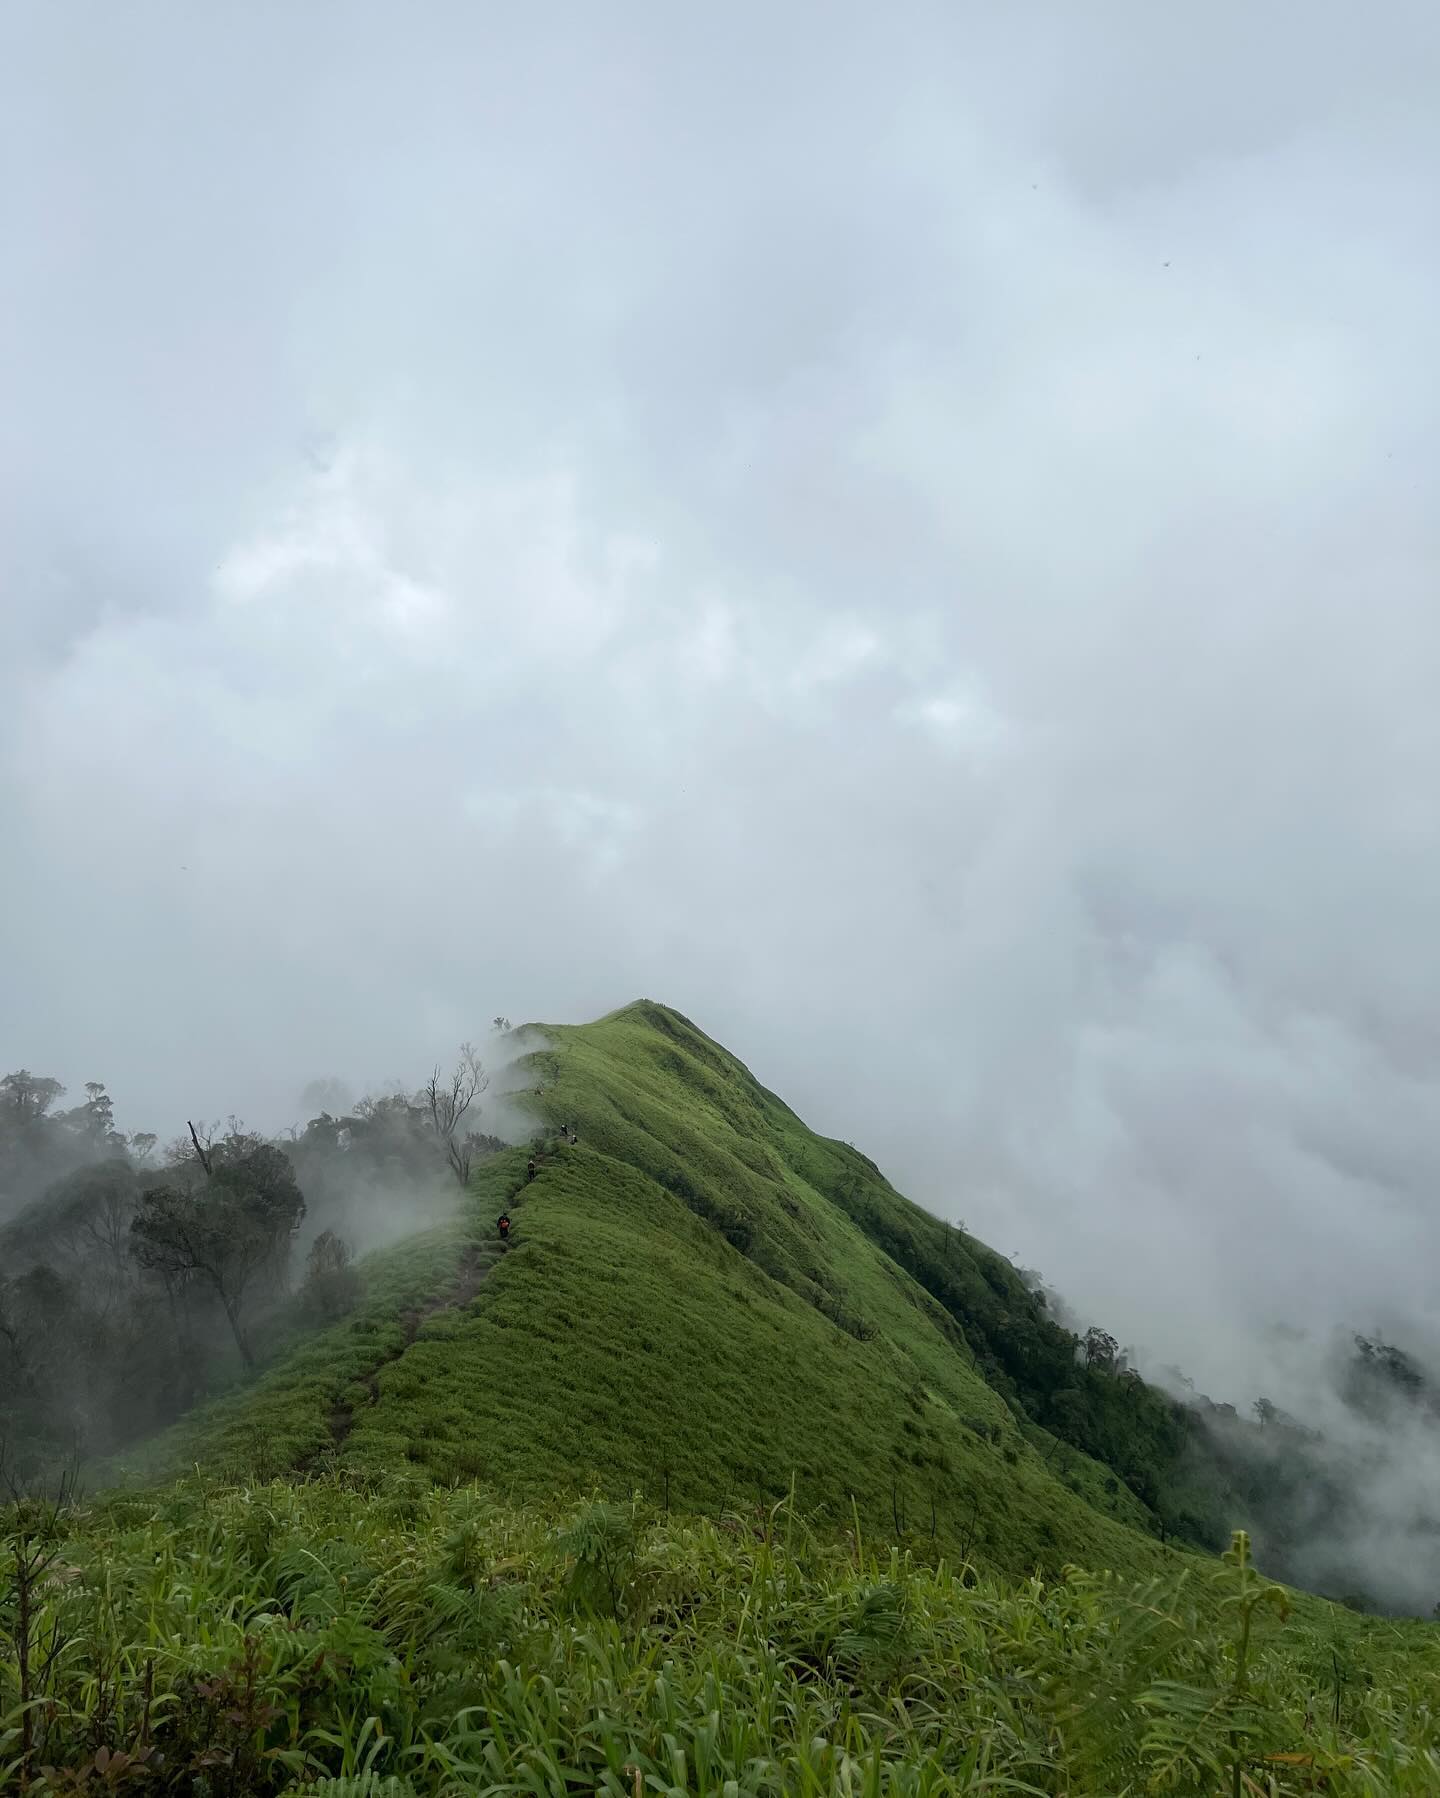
(704, 1301)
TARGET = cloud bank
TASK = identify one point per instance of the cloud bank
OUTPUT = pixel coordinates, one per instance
(908, 536)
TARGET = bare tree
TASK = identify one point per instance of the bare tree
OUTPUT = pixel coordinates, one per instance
(446, 1100)
(201, 1154)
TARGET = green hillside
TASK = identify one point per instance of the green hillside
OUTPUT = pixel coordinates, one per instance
(732, 1473)
(706, 1303)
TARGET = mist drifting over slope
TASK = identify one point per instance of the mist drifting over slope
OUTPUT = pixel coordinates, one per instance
(908, 536)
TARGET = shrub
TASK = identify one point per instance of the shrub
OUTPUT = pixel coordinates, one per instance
(331, 1286)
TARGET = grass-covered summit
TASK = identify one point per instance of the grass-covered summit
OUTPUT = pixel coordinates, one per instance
(706, 1302)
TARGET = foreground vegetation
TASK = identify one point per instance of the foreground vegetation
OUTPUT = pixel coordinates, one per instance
(328, 1638)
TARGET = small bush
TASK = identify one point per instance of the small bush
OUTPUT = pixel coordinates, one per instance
(331, 1286)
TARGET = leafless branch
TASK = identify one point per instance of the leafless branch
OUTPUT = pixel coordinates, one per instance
(447, 1099)
(201, 1153)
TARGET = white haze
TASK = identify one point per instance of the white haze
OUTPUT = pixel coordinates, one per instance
(907, 533)
(368, 1198)
(1378, 1456)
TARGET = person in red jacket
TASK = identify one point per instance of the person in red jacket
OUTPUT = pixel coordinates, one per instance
(502, 1224)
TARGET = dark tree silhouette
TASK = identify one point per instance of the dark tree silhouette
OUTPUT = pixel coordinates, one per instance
(232, 1228)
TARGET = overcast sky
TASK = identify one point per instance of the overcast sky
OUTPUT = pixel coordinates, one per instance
(906, 532)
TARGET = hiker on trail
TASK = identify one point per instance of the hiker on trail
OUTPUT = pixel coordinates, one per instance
(502, 1224)
(530, 1168)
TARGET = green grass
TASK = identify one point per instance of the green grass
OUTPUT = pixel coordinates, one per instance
(233, 1641)
(283, 1421)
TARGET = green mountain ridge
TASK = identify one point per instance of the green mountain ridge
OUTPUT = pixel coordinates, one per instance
(732, 1473)
(705, 1302)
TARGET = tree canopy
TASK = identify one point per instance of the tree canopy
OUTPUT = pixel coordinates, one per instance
(226, 1231)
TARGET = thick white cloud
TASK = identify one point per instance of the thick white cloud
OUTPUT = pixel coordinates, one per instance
(908, 535)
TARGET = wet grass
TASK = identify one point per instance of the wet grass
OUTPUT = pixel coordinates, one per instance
(276, 1637)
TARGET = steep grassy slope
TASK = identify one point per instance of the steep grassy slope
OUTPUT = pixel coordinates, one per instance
(813, 1212)
(705, 1302)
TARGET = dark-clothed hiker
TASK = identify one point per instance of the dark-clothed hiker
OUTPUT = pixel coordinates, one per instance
(502, 1224)
(530, 1168)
